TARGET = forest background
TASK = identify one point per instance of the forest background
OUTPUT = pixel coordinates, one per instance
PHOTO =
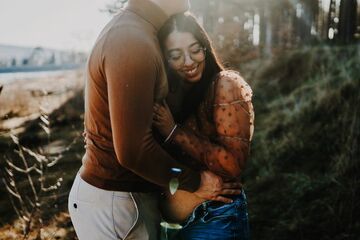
(302, 59)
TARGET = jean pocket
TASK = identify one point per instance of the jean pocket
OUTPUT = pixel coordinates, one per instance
(219, 218)
(125, 215)
(226, 212)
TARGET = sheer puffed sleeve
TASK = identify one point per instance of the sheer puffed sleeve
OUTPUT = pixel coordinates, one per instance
(233, 116)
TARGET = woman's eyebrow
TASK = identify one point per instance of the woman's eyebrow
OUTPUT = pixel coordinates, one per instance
(193, 44)
(179, 49)
(174, 50)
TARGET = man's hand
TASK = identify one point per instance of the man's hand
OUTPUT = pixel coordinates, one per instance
(212, 187)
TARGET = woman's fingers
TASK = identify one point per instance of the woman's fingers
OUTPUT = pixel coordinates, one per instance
(159, 109)
(156, 120)
(156, 109)
(158, 116)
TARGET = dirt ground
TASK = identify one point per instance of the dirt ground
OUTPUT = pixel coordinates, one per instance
(22, 102)
(25, 99)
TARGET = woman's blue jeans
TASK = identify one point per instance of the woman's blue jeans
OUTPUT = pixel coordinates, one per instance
(215, 220)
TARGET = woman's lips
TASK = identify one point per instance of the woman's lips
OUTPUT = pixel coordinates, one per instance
(191, 72)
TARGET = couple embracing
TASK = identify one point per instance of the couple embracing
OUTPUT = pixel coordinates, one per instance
(167, 131)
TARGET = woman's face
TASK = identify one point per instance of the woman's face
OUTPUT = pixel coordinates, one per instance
(185, 55)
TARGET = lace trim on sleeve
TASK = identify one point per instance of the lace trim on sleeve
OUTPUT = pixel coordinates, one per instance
(228, 104)
(234, 138)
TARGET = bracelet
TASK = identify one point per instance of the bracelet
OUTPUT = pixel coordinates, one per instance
(171, 133)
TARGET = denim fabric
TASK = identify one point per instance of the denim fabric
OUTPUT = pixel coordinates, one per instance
(215, 220)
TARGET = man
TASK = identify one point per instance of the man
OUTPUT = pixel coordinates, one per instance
(115, 195)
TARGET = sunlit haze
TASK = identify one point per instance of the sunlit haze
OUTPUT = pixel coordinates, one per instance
(61, 24)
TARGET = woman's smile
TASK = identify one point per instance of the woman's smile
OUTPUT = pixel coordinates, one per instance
(191, 72)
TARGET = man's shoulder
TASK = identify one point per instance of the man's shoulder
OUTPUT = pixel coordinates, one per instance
(128, 26)
(129, 35)
(125, 35)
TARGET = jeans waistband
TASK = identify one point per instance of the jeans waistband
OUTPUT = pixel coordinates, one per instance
(204, 207)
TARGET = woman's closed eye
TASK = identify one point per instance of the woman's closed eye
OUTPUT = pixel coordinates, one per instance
(175, 57)
(196, 49)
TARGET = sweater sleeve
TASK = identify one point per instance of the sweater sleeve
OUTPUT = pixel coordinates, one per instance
(130, 69)
(234, 117)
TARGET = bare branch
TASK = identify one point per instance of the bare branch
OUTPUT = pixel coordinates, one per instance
(30, 202)
(45, 120)
(10, 191)
(26, 171)
(9, 172)
(54, 161)
(21, 153)
(15, 208)
(40, 158)
(14, 138)
(45, 128)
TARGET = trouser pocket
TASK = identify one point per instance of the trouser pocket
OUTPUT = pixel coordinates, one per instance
(100, 214)
(125, 214)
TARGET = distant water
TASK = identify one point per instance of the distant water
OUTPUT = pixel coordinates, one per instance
(9, 77)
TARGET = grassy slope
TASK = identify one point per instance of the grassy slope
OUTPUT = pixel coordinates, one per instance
(66, 127)
(303, 177)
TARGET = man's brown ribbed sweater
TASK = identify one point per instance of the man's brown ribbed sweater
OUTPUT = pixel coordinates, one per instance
(125, 76)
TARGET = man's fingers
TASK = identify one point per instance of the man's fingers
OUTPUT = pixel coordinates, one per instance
(232, 185)
(223, 199)
(230, 192)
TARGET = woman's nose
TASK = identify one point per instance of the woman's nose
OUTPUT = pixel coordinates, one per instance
(188, 60)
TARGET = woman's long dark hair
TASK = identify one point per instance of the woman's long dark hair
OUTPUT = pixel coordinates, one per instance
(185, 22)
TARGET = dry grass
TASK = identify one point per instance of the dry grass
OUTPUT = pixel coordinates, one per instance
(24, 103)
(20, 100)
(59, 228)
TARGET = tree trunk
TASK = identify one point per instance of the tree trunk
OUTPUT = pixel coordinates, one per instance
(347, 23)
(265, 30)
(331, 14)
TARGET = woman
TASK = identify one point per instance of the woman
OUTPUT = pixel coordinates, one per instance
(207, 122)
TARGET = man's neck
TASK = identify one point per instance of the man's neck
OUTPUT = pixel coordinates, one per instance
(166, 6)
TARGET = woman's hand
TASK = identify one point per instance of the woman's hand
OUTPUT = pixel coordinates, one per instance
(163, 119)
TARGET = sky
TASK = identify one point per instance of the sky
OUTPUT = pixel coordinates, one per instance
(57, 24)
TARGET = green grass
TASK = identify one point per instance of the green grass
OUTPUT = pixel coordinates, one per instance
(303, 177)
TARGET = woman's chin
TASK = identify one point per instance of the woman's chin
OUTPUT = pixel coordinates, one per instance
(192, 79)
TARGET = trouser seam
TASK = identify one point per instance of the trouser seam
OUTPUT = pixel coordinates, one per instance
(137, 216)
(112, 214)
